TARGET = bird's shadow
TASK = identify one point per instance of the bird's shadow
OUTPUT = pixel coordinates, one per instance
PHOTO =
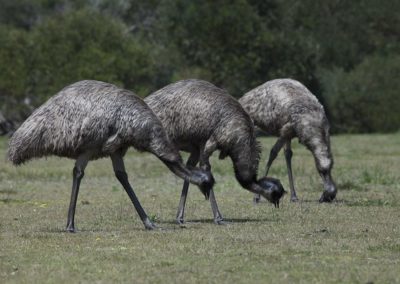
(315, 201)
(226, 220)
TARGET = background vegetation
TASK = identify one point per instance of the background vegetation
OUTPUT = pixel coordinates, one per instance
(356, 239)
(346, 52)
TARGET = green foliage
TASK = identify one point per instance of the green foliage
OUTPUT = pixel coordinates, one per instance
(344, 32)
(60, 50)
(365, 99)
(231, 43)
(237, 44)
(14, 71)
(87, 45)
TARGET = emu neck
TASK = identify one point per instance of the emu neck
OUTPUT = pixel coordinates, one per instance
(245, 158)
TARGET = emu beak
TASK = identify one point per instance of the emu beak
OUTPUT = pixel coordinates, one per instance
(206, 191)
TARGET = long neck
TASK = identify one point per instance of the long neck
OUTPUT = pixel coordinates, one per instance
(161, 147)
(245, 156)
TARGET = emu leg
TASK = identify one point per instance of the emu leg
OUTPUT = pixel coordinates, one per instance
(77, 174)
(191, 162)
(205, 165)
(272, 156)
(288, 157)
(120, 173)
(214, 207)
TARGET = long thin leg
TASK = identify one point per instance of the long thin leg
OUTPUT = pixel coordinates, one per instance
(272, 156)
(120, 173)
(77, 174)
(214, 207)
(205, 165)
(191, 162)
(288, 157)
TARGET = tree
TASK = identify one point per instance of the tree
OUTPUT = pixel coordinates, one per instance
(87, 45)
(235, 44)
(14, 71)
(366, 98)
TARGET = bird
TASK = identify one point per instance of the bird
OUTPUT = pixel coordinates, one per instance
(287, 109)
(201, 118)
(90, 119)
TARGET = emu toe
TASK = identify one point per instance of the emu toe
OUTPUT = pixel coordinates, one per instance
(327, 196)
(149, 225)
(256, 199)
(180, 221)
(70, 229)
(219, 221)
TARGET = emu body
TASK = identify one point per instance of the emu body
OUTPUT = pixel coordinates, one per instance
(89, 120)
(287, 109)
(200, 118)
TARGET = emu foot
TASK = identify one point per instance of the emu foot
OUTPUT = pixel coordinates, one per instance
(180, 221)
(327, 196)
(256, 199)
(219, 221)
(294, 199)
(149, 225)
(70, 228)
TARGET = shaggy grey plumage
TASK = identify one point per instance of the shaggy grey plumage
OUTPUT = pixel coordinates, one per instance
(89, 120)
(200, 119)
(287, 109)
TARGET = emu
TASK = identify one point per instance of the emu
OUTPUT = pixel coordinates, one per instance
(200, 118)
(287, 109)
(89, 120)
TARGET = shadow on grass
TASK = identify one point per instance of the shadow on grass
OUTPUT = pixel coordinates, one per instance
(8, 191)
(12, 201)
(227, 220)
(57, 230)
(108, 230)
(350, 185)
(368, 203)
(316, 201)
(300, 201)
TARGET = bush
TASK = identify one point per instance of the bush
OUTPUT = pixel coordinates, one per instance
(14, 71)
(87, 45)
(365, 99)
(232, 43)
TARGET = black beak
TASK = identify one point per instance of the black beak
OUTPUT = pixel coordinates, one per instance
(206, 192)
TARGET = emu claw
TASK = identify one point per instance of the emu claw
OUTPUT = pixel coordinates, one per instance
(149, 225)
(327, 197)
(70, 230)
(256, 200)
(219, 221)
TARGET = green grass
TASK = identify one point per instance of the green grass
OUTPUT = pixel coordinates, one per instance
(354, 240)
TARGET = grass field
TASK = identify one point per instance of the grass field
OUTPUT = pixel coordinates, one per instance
(354, 240)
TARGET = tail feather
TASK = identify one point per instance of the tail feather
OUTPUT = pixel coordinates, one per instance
(25, 144)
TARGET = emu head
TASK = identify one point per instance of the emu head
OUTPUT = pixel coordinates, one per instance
(272, 189)
(319, 145)
(204, 180)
